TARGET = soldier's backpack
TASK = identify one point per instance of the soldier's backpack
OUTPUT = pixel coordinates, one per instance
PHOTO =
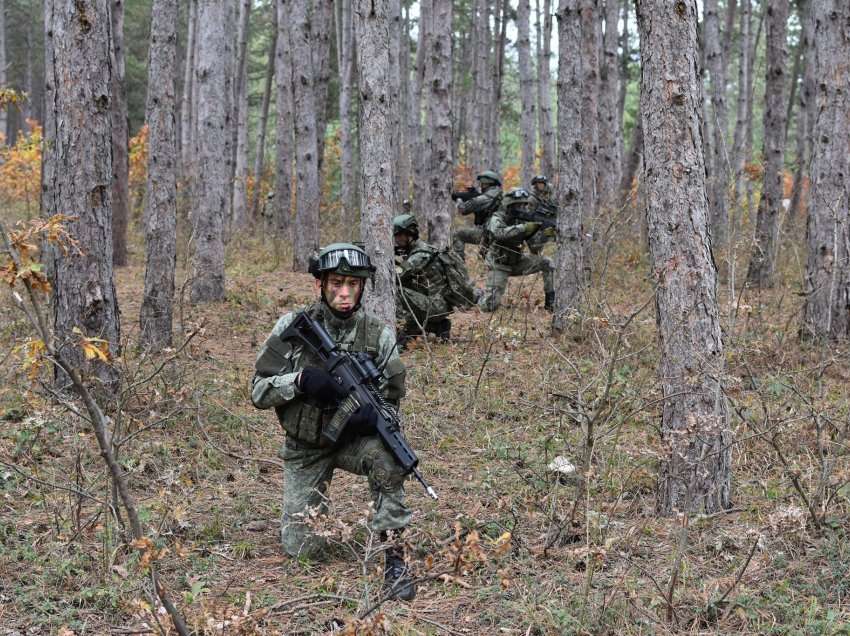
(459, 292)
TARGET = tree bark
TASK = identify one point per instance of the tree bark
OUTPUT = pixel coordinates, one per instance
(187, 125)
(480, 106)
(300, 16)
(420, 185)
(402, 44)
(240, 182)
(763, 259)
(719, 175)
(371, 26)
(588, 10)
(348, 184)
(547, 132)
(155, 316)
(120, 141)
(805, 114)
(827, 283)
(494, 136)
(610, 124)
(212, 190)
(4, 118)
(633, 160)
(285, 142)
(741, 123)
(260, 157)
(527, 93)
(625, 75)
(78, 178)
(439, 154)
(569, 263)
(695, 475)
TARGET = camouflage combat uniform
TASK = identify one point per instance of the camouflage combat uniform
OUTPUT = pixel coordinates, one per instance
(308, 459)
(421, 303)
(505, 259)
(541, 202)
(482, 207)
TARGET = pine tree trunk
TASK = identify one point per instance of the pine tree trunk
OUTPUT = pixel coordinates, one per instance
(240, 182)
(494, 155)
(260, 157)
(610, 124)
(827, 283)
(186, 123)
(719, 175)
(544, 98)
(212, 191)
(348, 184)
(120, 141)
(323, 26)
(477, 107)
(763, 260)
(403, 52)
(300, 16)
(633, 160)
(285, 127)
(4, 118)
(528, 95)
(78, 177)
(155, 317)
(807, 106)
(741, 122)
(371, 26)
(420, 185)
(588, 10)
(569, 263)
(625, 59)
(695, 476)
(439, 154)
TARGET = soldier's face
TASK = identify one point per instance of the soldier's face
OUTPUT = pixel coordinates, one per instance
(402, 242)
(341, 292)
(540, 187)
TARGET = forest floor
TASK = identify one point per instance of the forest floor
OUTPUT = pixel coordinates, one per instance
(509, 548)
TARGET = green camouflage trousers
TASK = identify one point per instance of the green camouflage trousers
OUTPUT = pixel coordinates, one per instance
(497, 278)
(307, 474)
(417, 310)
(468, 234)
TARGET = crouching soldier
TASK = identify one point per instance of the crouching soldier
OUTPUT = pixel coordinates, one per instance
(305, 398)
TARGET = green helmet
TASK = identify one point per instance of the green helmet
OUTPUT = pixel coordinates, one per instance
(517, 196)
(489, 175)
(406, 223)
(346, 259)
(540, 178)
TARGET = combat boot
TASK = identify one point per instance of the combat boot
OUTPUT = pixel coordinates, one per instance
(398, 582)
(443, 329)
(549, 301)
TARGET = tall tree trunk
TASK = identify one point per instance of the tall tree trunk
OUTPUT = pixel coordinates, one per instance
(719, 175)
(402, 44)
(78, 177)
(610, 124)
(212, 191)
(527, 93)
(625, 75)
(750, 128)
(805, 119)
(479, 107)
(260, 157)
(240, 182)
(633, 160)
(569, 263)
(155, 316)
(120, 141)
(323, 20)
(439, 74)
(371, 26)
(285, 127)
(4, 118)
(763, 260)
(420, 185)
(495, 134)
(348, 185)
(696, 474)
(588, 10)
(186, 123)
(544, 96)
(827, 282)
(301, 18)
(741, 123)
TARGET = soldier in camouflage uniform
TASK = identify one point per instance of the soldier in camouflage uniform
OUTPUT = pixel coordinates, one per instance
(305, 397)
(542, 201)
(505, 257)
(482, 206)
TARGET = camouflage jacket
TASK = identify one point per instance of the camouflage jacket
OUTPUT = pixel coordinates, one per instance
(483, 205)
(420, 270)
(301, 417)
(506, 235)
(544, 203)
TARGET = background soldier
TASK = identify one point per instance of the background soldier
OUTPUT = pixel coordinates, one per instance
(541, 195)
(505, 257)
(305, 397)
(482, 206)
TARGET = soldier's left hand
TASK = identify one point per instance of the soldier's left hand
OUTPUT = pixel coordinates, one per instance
(550, 232)
(364, 421)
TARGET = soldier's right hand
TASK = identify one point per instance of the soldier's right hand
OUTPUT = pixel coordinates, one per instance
(531, 227)
(319, 384)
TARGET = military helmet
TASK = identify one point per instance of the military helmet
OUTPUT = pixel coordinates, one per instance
(489, 175)
(517, 196)
(540, 178)
(406, 223)
(346, 259)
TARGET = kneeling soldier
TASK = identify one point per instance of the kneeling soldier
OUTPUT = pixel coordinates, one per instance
(305, 397)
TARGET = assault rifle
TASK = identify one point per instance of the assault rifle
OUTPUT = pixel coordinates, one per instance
(538, 215)
(465, 195)
(358, 376)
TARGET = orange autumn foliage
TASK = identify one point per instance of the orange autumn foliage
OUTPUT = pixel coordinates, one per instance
(20, 167)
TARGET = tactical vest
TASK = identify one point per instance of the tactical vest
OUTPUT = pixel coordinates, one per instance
(302, 418)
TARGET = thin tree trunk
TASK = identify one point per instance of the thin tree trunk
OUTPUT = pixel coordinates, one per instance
(625, 75)
(610, 125)
(495, 134)
(403, 46)
(741, 123)
(569, 263)
(78, 177)
(807, 106)
(827, 282)
(527, 92)
(285, 142)
(371, 26)
(300, 16)
(718, 173)
(544, 98)
(155, 316)
(633, 160)
(348, 191)
(763, 260)
(695, 476)
(4, 118)
(212, 191)
(750, 128)
(323, 27)
(588, 10)
(240, 182)
(440, 164)
(477, 110)
(120, 141)
(420, 186)
(260, 157)
(186, 123)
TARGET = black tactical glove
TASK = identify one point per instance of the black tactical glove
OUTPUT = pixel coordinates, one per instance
(320, 385)
(364, 421)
